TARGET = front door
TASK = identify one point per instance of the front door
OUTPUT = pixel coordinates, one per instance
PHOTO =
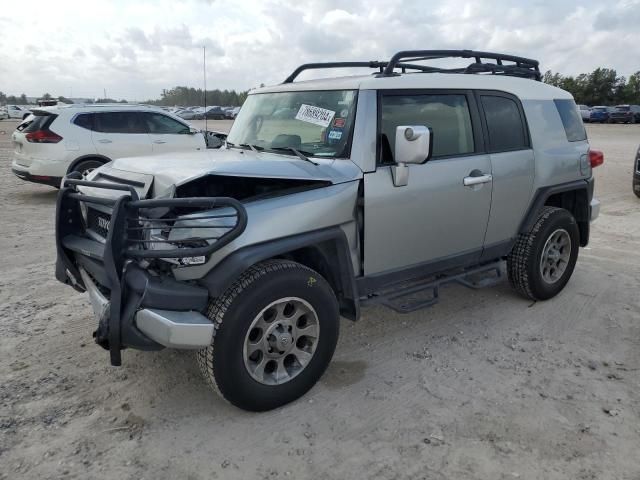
(170, 135)
(438, 215)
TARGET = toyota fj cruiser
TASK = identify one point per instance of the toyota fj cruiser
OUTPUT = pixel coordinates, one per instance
(329, 195)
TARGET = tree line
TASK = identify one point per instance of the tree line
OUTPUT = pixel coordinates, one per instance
(186, 96)
(603, 86)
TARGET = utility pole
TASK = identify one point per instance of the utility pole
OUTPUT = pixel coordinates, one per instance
(104, 91)
(204, 74)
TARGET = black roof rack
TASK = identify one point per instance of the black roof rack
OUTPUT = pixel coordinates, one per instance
(371, 64)
(516, 66)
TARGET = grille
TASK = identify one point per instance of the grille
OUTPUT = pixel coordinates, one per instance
(98, 222)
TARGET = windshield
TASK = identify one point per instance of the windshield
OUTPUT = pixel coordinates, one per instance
(317, 123)
(622, 109)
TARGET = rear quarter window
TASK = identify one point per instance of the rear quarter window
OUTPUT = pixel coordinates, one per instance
(571, 120)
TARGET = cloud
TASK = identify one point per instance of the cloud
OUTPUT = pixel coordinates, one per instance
(134, 49)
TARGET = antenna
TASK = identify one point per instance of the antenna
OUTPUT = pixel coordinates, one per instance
(204, 74)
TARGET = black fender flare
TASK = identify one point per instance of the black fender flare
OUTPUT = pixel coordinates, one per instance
(95, 156)
(581, 211)
(330, 242)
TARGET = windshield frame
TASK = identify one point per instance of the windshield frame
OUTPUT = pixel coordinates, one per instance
(344, 154)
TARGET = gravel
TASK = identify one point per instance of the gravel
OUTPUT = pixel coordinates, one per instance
(537, 391)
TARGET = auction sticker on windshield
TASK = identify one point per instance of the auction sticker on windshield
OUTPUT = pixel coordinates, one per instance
(315, 115)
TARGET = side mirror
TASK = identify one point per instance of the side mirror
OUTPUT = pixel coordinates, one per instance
(413, 146)
(193, 131)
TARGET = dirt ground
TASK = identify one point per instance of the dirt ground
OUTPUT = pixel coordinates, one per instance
(485, 385)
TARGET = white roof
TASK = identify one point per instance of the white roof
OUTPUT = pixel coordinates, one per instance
(523, 88)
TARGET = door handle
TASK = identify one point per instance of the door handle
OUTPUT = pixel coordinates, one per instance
(104, 140)
(480, 179)
(159, 141)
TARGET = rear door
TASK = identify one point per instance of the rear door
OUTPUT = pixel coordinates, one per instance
(120, 134)
(170, 135)
(512, 165)
(435, 217)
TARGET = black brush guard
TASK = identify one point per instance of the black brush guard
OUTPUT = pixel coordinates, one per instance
(125, 243)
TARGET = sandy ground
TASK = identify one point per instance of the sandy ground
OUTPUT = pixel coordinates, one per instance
(485, 385)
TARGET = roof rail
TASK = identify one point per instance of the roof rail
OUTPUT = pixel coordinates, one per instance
(517, 66)
(371, 64)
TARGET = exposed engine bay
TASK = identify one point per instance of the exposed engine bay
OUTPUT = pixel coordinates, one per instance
(245, 188)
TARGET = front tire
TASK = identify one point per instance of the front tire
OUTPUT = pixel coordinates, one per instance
(276, 330)
(542, 260)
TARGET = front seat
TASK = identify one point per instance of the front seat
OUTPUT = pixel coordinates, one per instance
(283, 140)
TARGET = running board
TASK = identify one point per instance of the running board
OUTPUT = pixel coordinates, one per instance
(399, 297)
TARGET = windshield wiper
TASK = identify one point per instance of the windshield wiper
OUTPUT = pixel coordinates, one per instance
(300, 153)
(255, 148)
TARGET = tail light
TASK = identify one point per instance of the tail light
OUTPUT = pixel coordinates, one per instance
(43, 136)
(596, 158)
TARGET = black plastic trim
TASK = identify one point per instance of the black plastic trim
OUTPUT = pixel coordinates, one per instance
(542, 194)
(26, 176)
(370, 284)
(331, 241)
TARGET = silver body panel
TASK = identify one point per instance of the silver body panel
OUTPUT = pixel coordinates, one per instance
(433, 216)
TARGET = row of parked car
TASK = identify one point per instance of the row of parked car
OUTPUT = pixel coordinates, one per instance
(617, 114)
(200, 113)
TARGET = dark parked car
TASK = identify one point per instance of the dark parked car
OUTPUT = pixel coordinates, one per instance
(215, 113)
(625, 114)
(599, 114)
(636, 174)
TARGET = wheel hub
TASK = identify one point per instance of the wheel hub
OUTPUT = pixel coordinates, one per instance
(281, 341)
(555, 257)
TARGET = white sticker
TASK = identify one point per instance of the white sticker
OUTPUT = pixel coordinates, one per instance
(315, 115)
(335, 135)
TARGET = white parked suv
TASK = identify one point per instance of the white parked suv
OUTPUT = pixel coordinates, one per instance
(58, 140)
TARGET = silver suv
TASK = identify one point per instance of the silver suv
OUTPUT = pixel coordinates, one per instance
(329, 195)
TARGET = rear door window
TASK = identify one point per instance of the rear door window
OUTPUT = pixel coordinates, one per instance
(119, 122)
(505, 124)
(571, 120)
(84, 120)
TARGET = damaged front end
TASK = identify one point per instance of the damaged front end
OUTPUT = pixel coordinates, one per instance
(119, 249)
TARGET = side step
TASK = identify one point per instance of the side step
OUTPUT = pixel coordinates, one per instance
(410, 296)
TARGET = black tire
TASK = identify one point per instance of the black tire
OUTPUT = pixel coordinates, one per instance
(85, 166)
(636, 188)
(524, 262)
(223, 363)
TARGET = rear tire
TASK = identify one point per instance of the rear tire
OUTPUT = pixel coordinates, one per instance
(86, 166)
(542, 260)
(263, 356)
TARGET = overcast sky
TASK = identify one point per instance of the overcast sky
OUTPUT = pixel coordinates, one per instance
(134, 49)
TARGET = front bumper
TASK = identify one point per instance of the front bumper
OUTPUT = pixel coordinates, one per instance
(169, 328)
(134, 307)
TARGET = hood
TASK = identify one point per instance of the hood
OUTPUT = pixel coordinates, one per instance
(153, 175)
